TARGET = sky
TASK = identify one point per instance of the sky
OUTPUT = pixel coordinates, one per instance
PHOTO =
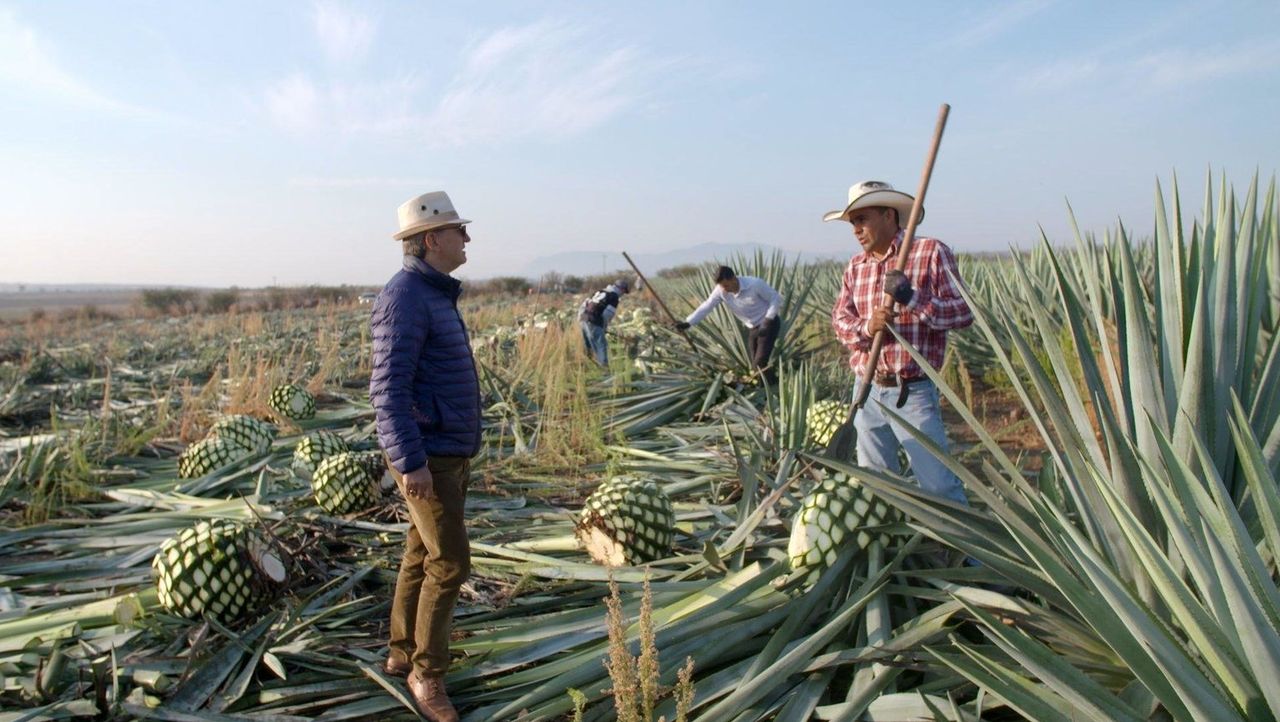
(257, 143)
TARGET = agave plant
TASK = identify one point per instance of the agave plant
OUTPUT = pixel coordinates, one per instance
(698, 372)
(1152, 534)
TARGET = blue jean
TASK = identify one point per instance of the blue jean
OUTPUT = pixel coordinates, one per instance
(879, 438)
(593, 338)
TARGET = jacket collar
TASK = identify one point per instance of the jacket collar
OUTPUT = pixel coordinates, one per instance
(442, 281)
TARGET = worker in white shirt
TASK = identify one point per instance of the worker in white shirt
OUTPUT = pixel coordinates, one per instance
(756, 304)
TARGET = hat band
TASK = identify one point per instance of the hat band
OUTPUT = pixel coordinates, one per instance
(446, 217)
(440, 219)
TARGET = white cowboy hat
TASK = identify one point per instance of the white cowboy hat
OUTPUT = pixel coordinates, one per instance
(427, 211)
(875, 193)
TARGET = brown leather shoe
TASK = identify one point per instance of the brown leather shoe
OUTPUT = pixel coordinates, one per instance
(396, 668)
(431, 699)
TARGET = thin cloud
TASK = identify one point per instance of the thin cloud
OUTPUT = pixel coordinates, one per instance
(302, 105)
(367, 182)
(1155, 71)
(1179, 67)
(293, 103)
(1061, 74)
(27, 62)
(345, 35)
(996, 22)
(545, 80)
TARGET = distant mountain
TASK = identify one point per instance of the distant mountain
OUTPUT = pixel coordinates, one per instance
(589, 263)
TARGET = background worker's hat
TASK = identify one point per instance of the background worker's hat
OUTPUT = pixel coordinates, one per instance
(427, 211)
(868, 194)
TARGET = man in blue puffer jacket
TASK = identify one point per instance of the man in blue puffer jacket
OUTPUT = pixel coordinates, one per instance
(427, 400)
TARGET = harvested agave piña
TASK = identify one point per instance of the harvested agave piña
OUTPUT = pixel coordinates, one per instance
(346, 483)
(315, 448)
(209, 455)
(246, 432)
(838, 511)
(292, 402)
(627, 521)
(823, 418)
(219, 569)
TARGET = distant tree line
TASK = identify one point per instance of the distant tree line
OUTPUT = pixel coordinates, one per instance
(685, 270)
(550, 282)
(185, 301)
(86, 313)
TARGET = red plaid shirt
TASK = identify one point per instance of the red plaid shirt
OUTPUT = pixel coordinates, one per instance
(936, 307)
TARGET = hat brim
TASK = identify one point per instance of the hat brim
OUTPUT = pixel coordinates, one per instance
(428, 225)
(897, 200)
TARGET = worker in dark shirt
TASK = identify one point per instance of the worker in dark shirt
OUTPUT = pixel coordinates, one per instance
(596, 313)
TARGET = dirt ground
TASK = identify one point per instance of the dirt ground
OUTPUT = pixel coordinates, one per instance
(1002, 413)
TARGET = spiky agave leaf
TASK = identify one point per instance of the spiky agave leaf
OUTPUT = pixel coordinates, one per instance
(315, 448)
(838, 512)
(219, 569)
(627, 521)
(246, 432)
(292, 402)
(345, 484)
(208, 455)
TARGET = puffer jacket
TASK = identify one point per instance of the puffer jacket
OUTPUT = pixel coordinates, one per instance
(423, 387)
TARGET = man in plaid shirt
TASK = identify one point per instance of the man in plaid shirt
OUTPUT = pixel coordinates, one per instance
(928, 305)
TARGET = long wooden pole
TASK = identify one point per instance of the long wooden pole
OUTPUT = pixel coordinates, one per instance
(658, 298)
(877, 343)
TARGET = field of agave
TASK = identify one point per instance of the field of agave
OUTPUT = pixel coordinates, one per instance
(196, 525)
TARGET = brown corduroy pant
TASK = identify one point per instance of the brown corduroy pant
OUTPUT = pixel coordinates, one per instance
(437, 560)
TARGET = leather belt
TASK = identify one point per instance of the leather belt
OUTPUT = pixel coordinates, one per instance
(894, 380)
(902, 383)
